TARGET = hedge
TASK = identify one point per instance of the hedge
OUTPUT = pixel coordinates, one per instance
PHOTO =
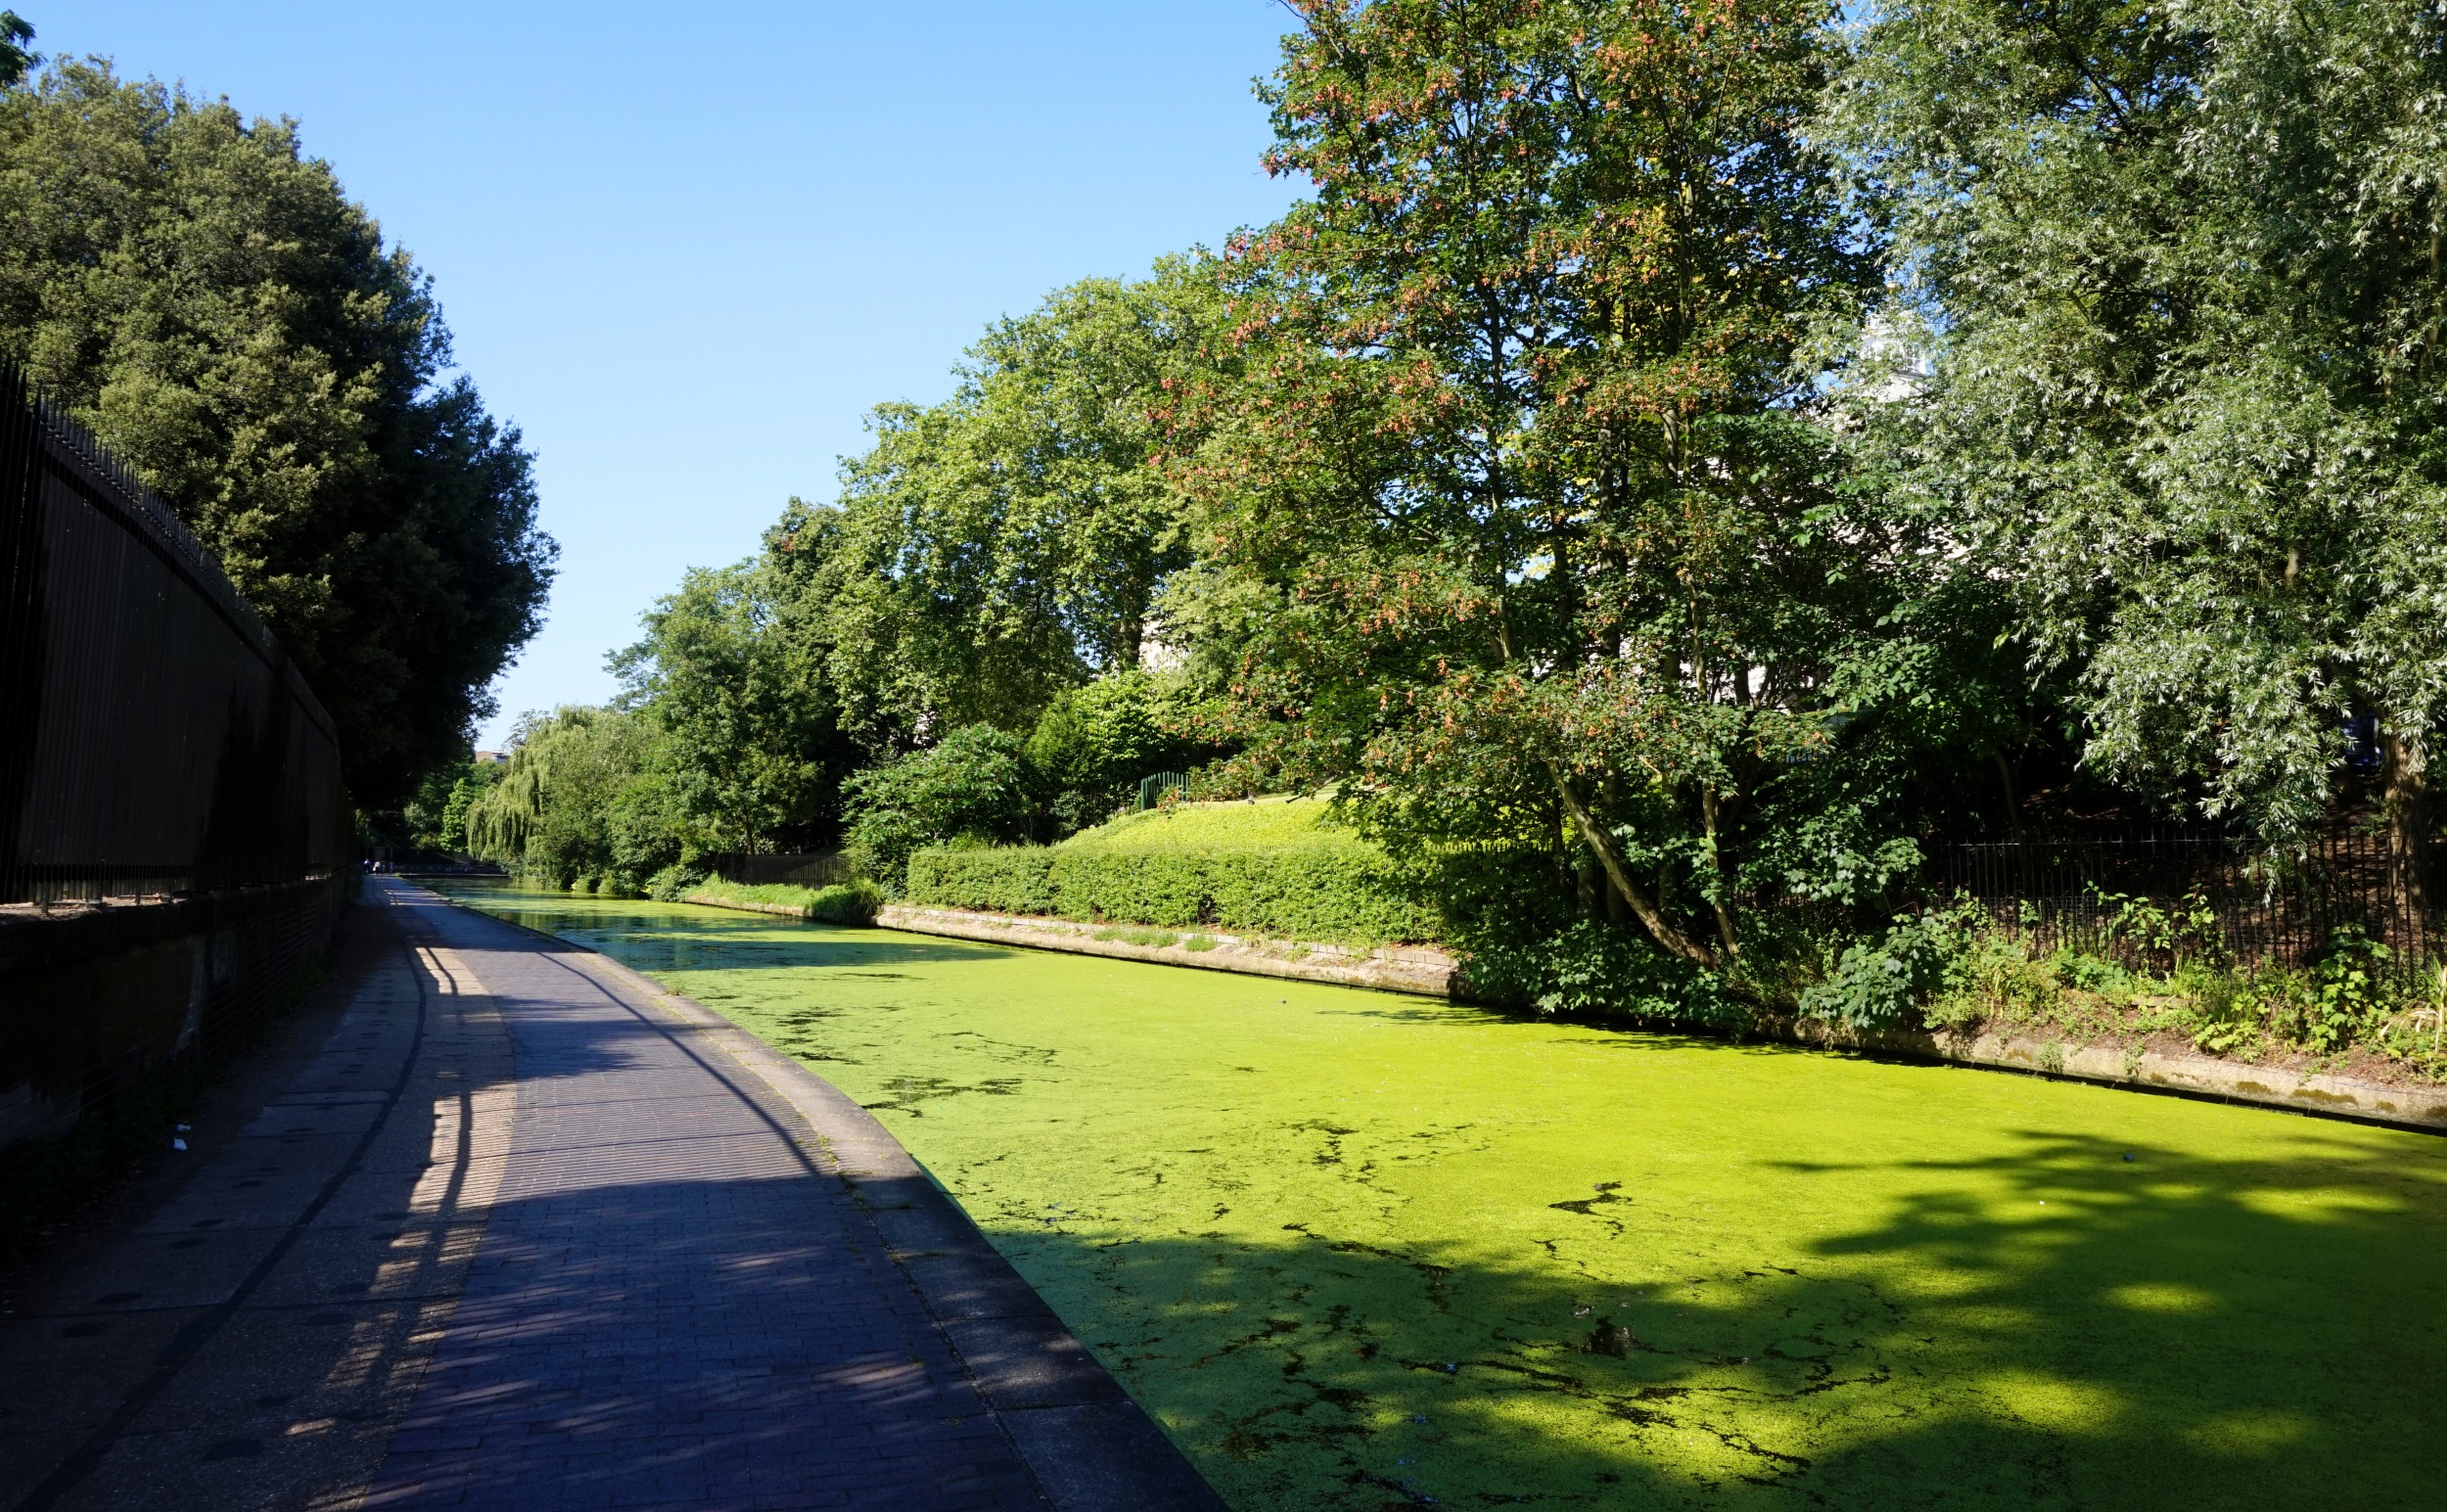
(842, 903)
(1341, 893)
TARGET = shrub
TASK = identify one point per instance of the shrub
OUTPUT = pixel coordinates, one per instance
(1094, 744)
(842, 903)
(1346, 892)
(854, 902)
(971, 786)
(1599, 970)
(1877, 982)
(673, 883)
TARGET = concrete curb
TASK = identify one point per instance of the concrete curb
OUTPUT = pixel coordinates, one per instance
(2191, 1075)
(1091, 1447)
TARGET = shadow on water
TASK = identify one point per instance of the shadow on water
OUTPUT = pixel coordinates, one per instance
(2168, 1331)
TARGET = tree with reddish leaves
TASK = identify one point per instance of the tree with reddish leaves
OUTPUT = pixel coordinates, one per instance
(1531, 508)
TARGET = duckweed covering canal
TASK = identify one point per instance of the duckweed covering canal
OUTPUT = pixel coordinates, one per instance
(1362, 1252)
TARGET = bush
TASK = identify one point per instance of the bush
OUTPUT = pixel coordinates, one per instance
(1344, 893)
(1094, 744)
(1877, 982)
(842, 903)
(971, 786)
(673, 883)
(1599, 970)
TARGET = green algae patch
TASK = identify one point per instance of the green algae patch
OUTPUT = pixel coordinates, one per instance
(1360, 1252)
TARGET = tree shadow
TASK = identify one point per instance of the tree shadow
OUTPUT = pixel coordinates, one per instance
(2168, 1330)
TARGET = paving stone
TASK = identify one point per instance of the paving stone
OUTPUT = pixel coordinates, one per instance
(528, 1233)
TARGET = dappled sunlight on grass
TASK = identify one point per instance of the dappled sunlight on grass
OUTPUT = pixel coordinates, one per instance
(1358, 1252)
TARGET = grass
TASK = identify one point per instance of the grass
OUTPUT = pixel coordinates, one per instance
(1358, 1252)
(1264, 824)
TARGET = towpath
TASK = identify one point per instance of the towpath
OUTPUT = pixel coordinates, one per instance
(521, 1229)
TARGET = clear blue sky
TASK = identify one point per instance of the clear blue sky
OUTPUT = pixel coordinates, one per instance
(686, 248)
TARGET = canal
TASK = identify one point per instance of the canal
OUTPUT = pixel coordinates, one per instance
(1358, 1251)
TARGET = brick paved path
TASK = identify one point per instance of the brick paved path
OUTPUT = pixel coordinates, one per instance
(542, 1235)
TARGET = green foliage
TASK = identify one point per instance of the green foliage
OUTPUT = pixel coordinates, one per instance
(1532, 517)
(580, 804)
(751, 743)
(16, 60)
(1344, 893)
(1093, 743)
(2188, 395)
(436, 818)
(854, 902)
(201, 295)
(1591, 969)
(675, 882)
(1877, 984)
(1004, 545)
(972, 787)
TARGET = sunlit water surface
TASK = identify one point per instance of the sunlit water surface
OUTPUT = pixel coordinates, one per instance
(1359, 1250)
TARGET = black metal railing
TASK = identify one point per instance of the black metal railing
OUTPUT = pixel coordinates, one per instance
(154, 737)
(2111, 888)
(806, 869)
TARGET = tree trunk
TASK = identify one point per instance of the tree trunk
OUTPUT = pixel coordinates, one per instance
(1709, 811)
(2404, 765)
(1617, 910)
(1594, 836)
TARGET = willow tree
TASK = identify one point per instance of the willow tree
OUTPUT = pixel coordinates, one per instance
(2190, 397)
(1528, 494)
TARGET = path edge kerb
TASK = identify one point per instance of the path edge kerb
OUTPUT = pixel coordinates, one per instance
(1423, 972)
(1091, 1447)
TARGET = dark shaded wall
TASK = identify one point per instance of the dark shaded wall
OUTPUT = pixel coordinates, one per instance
(174, 838)
(100, 1004)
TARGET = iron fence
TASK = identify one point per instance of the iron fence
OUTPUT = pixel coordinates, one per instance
(154, 737)
(806, 869)
(2087, 889)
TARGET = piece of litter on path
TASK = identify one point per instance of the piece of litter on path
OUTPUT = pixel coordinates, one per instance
(179, 1144)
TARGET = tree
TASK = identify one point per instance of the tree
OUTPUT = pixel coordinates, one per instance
(972, 786)
(752, 744)
(1009, 542)
(2185, 262)
(1094, 744)
(579, 803)
(205, 298)
(14, 60)
(1527, 500)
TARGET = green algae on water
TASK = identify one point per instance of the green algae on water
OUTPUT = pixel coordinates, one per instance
(1359, 1252)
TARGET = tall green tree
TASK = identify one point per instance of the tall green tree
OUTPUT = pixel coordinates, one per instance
(205, 297)
(16, 59)
(1009, 542)
(2184, 266)
(752, 743)
(1528, 500)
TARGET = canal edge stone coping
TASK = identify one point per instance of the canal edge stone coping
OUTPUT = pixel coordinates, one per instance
(1090, 1445)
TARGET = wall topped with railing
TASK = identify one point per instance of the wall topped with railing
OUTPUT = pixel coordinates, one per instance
(155, 739)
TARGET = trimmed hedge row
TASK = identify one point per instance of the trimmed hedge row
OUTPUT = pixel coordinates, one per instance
(1330, 893)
